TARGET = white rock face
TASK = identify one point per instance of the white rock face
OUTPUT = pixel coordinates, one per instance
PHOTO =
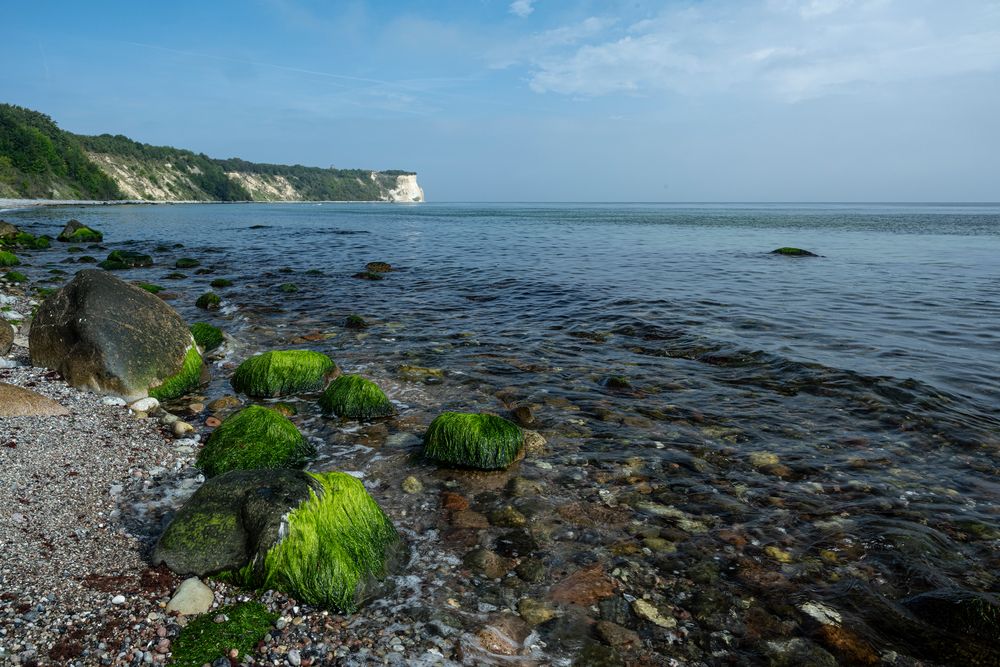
(192, 597)
(407, 189)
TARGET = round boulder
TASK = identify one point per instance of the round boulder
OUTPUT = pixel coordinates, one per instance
(108, 336)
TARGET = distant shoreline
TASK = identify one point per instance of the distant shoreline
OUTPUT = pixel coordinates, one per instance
(22, 204)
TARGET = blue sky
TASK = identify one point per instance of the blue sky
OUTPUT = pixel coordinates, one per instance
(539, 100)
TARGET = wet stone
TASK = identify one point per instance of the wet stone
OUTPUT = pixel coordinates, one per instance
(617, 636)
(531, 570)
(507, 517)
(535, 612)
(516, 543)
(488, 562)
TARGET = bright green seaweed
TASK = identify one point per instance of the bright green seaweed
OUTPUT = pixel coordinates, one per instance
(354, 397)
(253, 438)
(203, 640)
(184, 381)
(338, 541)
(8, 258)
(283, 372)
(207, 336)
(482, 441)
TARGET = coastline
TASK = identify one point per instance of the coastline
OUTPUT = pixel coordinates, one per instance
(22, 204)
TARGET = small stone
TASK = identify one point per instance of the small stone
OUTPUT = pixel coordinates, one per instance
(531, 570)
(147, 405)
(522, 415)
(535, 612)
(213, 422)
(778, 554)
(412, 485)
(648, 611)
(118, 599)
(584, 587)
(191, 597)
(519, 487)
(117, 401)
(195, 408)
(454, 501)
(617, 636)
(181, 429)
(224, 403)
(294, 658)
(763, 459)
(534, 443)
(469, 519)
(507, 517)
(492, 564)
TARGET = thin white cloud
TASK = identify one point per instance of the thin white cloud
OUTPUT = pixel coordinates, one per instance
(794, 49)
(522, 8)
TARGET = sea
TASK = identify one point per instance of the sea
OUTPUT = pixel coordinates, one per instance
(765, 447)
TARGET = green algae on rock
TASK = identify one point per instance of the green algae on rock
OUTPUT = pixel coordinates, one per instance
(183, 381)
(339, 544)
(469, 440)
(378, 267)
(254, 438)
(221, 282)
(203, 640)
(321, 538)
(8, 258)
(368, 275)
(14, 277)
(354, 397)
(355, 322)
(288, 288)
(283, 372)
(186, 263)
(793, 252)
(208, 301)
(150, 287)
(77, 232)
(207, 336)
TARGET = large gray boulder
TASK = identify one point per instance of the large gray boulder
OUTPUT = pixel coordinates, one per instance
(109, 336)
(6, 336)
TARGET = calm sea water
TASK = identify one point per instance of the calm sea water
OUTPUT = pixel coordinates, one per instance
(844, 409)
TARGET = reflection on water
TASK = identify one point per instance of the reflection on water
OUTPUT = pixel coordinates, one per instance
(794, 448)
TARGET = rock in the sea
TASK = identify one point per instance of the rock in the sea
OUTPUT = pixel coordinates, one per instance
(20, 402)
(207, 336)
(793, 252)
(8, 231)
(8, 258)
(192, 597)
(481, 441)
(104, 334)
(318, 537)
(283, 372)
(6, 336)
(378, 267)
(355, 397)
(796, 652)
(77, 232)
(125, 259)
(253, 438)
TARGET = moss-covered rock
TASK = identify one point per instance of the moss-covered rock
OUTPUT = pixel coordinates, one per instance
(125, 259)
(14, 277)
(378, 267)
(793, 252)
(466, 440)
(208, 301)
(203, 640)
(221, 282)
(354, 397)
(104, 334)
(368, 275)
(181, 382)
(283, 372)
(186, 263)
(150, 287)
(320, 538)
(87, 259)
(339, 544)
(355, 322)
(288, 288)
(174, 275)
(254, 438)
(8, 258)
(77, 232)
(207, 336)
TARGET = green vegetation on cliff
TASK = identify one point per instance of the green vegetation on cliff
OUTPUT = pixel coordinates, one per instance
(38, 160)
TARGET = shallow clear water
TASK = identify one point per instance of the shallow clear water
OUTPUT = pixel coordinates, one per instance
(844, 409)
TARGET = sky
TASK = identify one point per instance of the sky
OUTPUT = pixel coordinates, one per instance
(543, 100)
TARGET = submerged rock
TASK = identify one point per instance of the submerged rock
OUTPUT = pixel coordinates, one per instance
(318, 537)
(378, 267)
(793, 252)
(481, 441)
(354, 397)
(255, 437)
(109, 336)
(283, 372)
(125, 259)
